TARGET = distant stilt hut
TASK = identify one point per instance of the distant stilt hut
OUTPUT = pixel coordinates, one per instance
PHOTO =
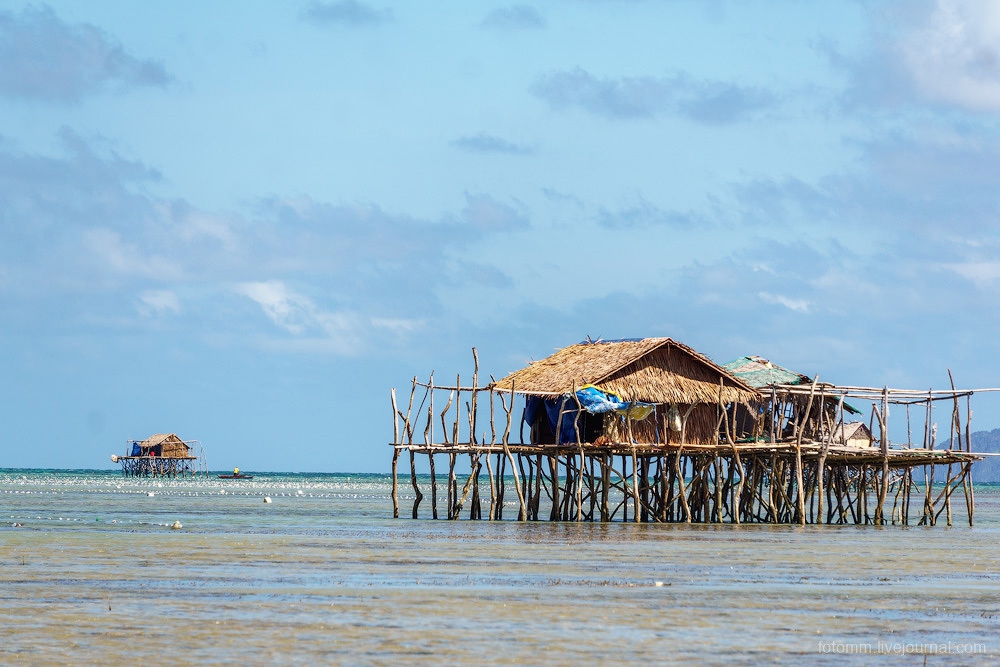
(161, 455)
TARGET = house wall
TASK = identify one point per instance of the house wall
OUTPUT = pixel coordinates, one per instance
(700, 428)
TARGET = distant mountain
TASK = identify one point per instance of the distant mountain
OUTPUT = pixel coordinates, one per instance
(986, 471)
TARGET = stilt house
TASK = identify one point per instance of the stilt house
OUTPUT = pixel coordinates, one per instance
(647, 429)
(163, 454)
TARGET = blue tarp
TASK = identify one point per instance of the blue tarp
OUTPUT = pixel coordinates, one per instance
(597, 402)
(594, 401)
(567, 434)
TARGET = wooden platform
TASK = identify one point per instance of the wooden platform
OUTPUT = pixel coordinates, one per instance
(745, 483)
(156, 466)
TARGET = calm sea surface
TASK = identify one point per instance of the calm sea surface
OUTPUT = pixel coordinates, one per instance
(91, 572)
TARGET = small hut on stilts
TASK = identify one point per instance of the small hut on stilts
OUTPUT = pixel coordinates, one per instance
(649, 430)
(161, 455)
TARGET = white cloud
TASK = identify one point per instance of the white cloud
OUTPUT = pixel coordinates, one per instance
(159, 302)
(315, 329)
(398, 326)
(983, 274)
(111, 251)
(798, 305)
(81, 234)
(288, 310)
(194, 225)
(954, 57)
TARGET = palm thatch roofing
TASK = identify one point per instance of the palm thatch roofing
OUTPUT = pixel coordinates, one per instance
(758, 372)
(170, 445)
(653, 370)
(761, 374)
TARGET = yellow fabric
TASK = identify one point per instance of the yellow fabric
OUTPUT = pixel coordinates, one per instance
(636, 412)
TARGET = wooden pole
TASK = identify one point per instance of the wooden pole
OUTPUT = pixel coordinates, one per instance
(968, 447)
(554, 477)
(884, 430)
(413, 480)
(538, 487)
(465, 491)
(579, 444)
(523, 514)
(474, 409)
(738, 494)
(493, 490)
(682, 493)
(428, 442)
(800, 500)
(929, 469)
(395, 457)
(606, 461)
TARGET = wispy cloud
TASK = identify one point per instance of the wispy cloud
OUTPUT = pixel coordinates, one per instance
(44, 58)
(933, 184)
(345, 12)
(315, 328)
(287, 309)
(514, 17)
(488, 215)
(641, 213)
(159, 302)
(798, 305)
(711, 102)
(985, 274)
(108, 248)
(81, 235)
(488, 143)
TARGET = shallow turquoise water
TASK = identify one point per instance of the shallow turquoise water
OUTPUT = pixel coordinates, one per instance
(92, 573)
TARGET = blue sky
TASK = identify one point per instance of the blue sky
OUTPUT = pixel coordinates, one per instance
(245, 223)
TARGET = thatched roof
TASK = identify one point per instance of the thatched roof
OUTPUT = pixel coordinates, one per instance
(761, 374)
(159, 439)
(654, 370)
(169, 444)
(758, 372)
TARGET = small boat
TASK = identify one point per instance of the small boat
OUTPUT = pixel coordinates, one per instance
(236, 476)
